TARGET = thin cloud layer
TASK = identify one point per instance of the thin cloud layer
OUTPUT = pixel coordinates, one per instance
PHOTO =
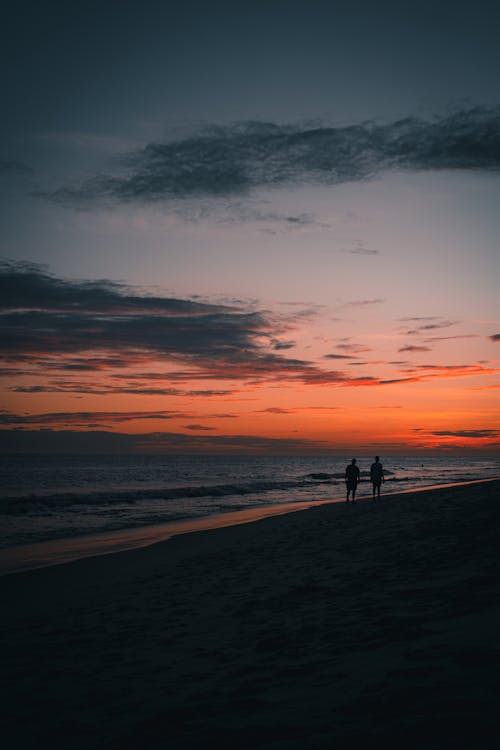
(414, 349)
(472, 434)
(103, 338)
(94, 419)
(423, 373)
(43, 317)
(234, 160)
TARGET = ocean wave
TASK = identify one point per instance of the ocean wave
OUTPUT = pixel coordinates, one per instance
(33, 503)
(46, 504)
(321, 476)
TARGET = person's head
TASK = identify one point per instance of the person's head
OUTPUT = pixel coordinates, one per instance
(353, 461)
(377, 458)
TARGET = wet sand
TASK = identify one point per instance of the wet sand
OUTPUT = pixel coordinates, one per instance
(342, 625)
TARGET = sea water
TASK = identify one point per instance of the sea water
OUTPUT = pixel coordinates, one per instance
(47, 497)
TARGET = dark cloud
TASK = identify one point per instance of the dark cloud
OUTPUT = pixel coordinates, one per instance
(52, 324)
(281, 345)
(337, 356)
(43, 316)
(83, 418)
(450, 368)
(91, 418)
(495, 337)
(467, 433)
(197, 427)
(234, 160)
(419, 330)
(450, 338)
(30, 287)
(414, 349)
(276, 410)
(104, 389)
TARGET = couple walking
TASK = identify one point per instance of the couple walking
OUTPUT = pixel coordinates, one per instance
(352, 477)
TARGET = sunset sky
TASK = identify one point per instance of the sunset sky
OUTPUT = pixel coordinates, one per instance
(261, 228)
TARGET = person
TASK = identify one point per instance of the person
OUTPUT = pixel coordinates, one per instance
(376, 476)
(352, 477)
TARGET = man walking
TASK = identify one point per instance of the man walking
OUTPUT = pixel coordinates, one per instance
(376, 476)
(352, 477)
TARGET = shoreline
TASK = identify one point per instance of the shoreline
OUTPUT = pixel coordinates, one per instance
(50, 553)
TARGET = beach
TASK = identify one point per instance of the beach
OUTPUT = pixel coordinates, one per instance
(336, 626)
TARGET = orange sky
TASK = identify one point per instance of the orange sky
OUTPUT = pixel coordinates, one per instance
(243, 377)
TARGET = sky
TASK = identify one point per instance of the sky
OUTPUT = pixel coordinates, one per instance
(258, 228)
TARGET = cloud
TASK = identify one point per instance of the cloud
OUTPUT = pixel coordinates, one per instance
(361, 249)
(471, 434)
(435, 372)
(418, 319)
(237, 159)
(44, 317)
(85, 419)
(106, 389)
(51, 324)
(197, 427)
(426, 327)
(363, 303)
(93, 337)
(414, 349)
(449, 368)
(276, 410)
(495, 337)
(237, 212)
(451, 338)
(281, 345)
(337, 356)
(30, 287)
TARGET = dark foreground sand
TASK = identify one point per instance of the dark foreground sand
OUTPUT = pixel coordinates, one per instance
(374, 625)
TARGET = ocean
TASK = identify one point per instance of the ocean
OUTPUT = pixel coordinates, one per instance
(49, 497)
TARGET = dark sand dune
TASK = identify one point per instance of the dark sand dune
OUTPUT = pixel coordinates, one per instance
(342, 626)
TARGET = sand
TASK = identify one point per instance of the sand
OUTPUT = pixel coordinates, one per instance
(374, 624)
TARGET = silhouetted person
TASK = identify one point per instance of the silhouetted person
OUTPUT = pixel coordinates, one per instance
(376, 476)
(351, 479)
